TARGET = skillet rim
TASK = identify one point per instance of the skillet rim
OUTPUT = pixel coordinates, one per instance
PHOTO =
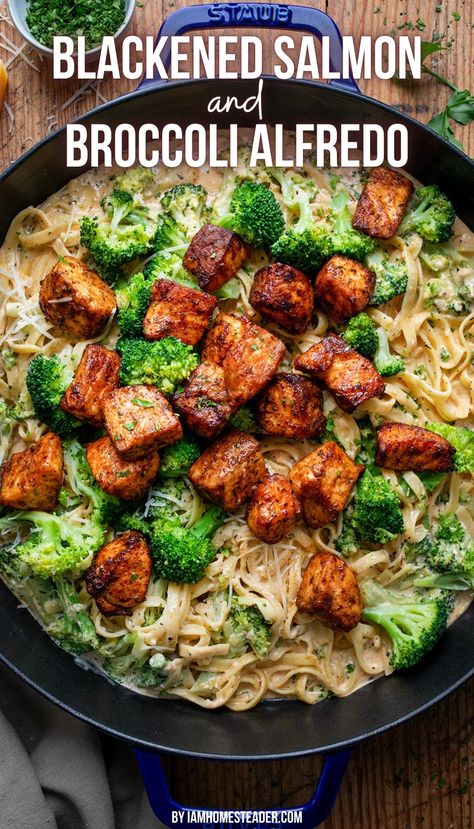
(153, 88)
(266, 708)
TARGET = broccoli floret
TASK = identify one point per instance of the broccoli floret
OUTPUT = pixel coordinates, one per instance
(306, 245)
(123, 656)
(171, 496)
(73, 630)
(182, 555)
(135, 180)
(169, 235)
(435, 257)
(126, 236)
(413, 625)
(361, 334)
(178, 458)
(8, 358)
(387, 364)
(170, 499)
(247, 626)
(152, 674)
(452, 552)
(431, 215)
(448, 556)
(414, 549)
(344, 239)
(463, 441)
(349, 539)
(47, 379)
(166, 503)
(187, 204)
(377, 517)
(374, 515)
(8, 418)
(106, 508)
(128, 521)
(463, 304)
(133, 301)
(118, 205)
(296, 191)
(448, 550)
(255, 215)
(450, 529)
(305, 248)
(110, 250)
(169, 266)
(128, 661)
(57, 544)
(391, 277)
(165, 364)
(118, 667)
(244, 419)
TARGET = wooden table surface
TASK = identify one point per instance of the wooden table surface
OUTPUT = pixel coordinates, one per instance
(419, 774)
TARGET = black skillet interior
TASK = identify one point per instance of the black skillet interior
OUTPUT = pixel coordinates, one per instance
(281, 728)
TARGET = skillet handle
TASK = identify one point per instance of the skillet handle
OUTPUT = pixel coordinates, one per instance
(261, 15)
(308, 816)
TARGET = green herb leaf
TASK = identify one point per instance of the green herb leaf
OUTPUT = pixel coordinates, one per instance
(428, 47)
(460, 107)
(440, 124)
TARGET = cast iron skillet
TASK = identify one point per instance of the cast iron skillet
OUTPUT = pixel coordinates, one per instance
(275, 729)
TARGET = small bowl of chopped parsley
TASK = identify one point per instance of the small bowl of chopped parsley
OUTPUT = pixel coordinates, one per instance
(39, 21)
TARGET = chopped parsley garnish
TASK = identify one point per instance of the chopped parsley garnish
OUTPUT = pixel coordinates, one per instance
(460, 105)
(206, 403)
(94, 20)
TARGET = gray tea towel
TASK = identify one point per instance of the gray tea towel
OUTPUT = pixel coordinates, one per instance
(57, 773)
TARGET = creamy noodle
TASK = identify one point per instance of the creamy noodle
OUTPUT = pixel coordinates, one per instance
(307, 660)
